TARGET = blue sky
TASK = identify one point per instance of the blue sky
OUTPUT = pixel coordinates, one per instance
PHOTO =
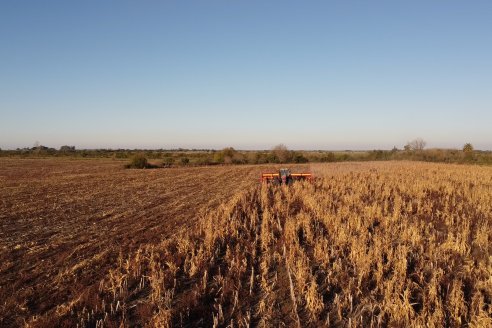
(248, 74)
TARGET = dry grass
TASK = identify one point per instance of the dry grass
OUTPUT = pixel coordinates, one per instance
(366, 245)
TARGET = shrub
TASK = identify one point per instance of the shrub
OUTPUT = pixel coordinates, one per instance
(219, 157)
(168, 161)
(204, 160)
(120, 154)
(238, 158)
(299, 158)
(378, 155)
(328, 157)
(138, 161)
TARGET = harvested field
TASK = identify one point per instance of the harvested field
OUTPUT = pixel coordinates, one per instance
(64, 222)
(365, 245)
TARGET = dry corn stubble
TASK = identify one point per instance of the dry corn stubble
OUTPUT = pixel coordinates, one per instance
(366, 245)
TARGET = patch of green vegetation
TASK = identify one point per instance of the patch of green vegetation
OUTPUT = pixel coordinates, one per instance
(138, 161)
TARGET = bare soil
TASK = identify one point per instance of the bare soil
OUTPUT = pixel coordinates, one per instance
(63, 223)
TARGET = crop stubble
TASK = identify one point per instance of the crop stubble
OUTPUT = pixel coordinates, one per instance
(368, 244)
(64, 222)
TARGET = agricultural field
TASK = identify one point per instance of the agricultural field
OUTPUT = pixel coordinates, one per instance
(87, 243)
(63, 223)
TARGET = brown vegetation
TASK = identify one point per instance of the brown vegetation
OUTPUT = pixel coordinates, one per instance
(373, 244)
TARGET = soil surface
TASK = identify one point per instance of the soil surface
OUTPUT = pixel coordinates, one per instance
(63, 223)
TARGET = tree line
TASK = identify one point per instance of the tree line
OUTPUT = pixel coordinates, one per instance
(413, 150)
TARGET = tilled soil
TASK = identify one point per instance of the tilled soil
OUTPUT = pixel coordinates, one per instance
(63, 223)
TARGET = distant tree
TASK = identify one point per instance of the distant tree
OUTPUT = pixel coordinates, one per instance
(260, 158)
(219, 157)
(229, 151)
(238, 158)
(271, 158)
(468, 151)
(282, 153)
(416, 144)
(328, 157)
(226, 155)
(300, 158)
(67, 148)
(229, 154)
(203, 159)
(227, 160)
(37, 147)
(394, 150)
(377, 155)
(468, 148)
(252, 157)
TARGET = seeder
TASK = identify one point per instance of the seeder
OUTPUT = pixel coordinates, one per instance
(285, 176)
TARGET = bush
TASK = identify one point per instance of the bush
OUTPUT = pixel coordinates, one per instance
(378, 155)
(328, 157)
(219, 157)
(120, 154)
(228, 156)
(168, 161)
(138, 161)
(204, 160)
(299, 158)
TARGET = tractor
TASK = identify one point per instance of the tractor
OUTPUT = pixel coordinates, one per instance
(285, 177)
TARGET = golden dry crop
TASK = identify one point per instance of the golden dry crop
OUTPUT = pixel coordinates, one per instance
(365, 245)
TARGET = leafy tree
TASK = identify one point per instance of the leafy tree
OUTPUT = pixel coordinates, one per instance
(468, 148)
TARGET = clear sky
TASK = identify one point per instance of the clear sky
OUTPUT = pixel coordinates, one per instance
(248, 74)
